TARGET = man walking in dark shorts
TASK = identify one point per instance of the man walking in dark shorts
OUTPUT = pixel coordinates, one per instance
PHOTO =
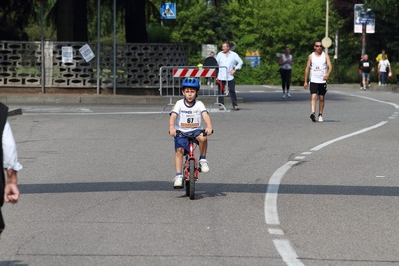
(365, 67)
(318, 68)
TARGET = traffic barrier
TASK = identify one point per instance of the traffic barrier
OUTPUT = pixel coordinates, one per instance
(170, 78)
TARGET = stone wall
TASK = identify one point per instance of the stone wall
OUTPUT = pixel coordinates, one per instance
(137, 66)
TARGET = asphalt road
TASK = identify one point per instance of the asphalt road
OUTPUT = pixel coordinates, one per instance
(97, 185)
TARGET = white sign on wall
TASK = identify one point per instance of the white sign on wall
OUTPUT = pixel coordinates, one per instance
(86, 52)
(67, 54)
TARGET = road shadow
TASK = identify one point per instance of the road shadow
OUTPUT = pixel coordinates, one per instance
(207, 189)
(13, 263)
(277, 97)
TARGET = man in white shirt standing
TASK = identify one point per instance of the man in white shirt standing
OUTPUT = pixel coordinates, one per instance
(318, 68)
(229, 62)
(9, 191)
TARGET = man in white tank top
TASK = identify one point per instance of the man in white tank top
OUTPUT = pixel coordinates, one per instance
(318, 69)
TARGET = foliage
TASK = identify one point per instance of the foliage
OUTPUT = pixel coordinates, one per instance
(158, 34)
(266, 26)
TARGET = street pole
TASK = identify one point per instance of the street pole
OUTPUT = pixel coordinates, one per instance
(42, 47)
(364, 38)
(98, 43)
(114, 70)
(326, 48)
(336, 56)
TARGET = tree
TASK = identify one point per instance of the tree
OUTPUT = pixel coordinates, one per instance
(64, 20)
(386, 24)
(14, 17)
(135, 21)
(137, 31)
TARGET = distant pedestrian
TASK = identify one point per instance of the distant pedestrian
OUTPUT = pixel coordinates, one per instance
(211, 81)
(229, 62)
(383, 69)
(200, 65)
(286, 60)
(9, 191)
(365, 67)
(318, 68)
(377, 60)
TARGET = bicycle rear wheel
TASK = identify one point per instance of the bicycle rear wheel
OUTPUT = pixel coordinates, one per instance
(191, 185)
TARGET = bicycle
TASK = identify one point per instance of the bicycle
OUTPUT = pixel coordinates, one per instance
(191, 166)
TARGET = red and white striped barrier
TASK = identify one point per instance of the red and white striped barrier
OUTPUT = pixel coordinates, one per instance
(190, 72)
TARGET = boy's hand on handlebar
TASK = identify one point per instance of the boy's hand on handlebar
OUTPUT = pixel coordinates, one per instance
(172, 132)
(208, 131)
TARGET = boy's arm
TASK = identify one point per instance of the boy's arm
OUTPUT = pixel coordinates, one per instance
(172, 129)
(207, 120)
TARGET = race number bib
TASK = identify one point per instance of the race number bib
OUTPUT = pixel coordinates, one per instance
(190, 120)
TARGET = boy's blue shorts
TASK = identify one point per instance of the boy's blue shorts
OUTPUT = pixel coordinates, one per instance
(182, 142)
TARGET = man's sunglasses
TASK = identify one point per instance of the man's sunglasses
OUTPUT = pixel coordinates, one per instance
(317, 46)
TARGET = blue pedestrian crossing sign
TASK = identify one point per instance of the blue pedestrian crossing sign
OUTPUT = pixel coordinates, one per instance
(168, 10)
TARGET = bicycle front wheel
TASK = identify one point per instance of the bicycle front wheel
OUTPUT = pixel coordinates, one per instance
(191, 172)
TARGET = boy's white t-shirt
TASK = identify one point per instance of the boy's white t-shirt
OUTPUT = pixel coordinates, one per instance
(189, 118)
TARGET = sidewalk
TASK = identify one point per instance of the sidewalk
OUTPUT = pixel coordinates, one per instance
(87, 99)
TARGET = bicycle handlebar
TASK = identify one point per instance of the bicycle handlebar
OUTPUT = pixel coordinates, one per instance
(203, 132)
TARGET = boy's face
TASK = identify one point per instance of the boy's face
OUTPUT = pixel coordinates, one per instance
(189, 94)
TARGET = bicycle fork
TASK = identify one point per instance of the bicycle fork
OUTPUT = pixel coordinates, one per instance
(190, 157)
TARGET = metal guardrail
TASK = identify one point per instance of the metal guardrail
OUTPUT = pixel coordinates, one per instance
(170, 78)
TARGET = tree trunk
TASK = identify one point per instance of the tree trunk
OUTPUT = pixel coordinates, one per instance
(80, 21)
(65, 19)
(135, 24)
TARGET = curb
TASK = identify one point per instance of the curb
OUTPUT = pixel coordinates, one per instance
(99, 99)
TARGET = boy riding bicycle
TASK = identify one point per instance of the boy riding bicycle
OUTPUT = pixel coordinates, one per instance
(186, 116)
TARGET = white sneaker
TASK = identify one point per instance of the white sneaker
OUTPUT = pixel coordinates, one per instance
(284, 95)
(204, 166)
(321, 118)
(289, 95)
(361, 88)
(379, 83)
(178, 182)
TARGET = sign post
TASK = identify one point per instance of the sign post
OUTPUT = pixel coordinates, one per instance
(41, 2)
(364, 22)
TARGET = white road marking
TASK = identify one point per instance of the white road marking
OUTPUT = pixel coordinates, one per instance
(109, 113)
(368, 98)
(252, 91)
(348, 136)
(271, 215)
(283, 246)
(287, 252)
(275, 231)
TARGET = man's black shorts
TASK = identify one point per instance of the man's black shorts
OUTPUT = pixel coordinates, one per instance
(318, 88)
